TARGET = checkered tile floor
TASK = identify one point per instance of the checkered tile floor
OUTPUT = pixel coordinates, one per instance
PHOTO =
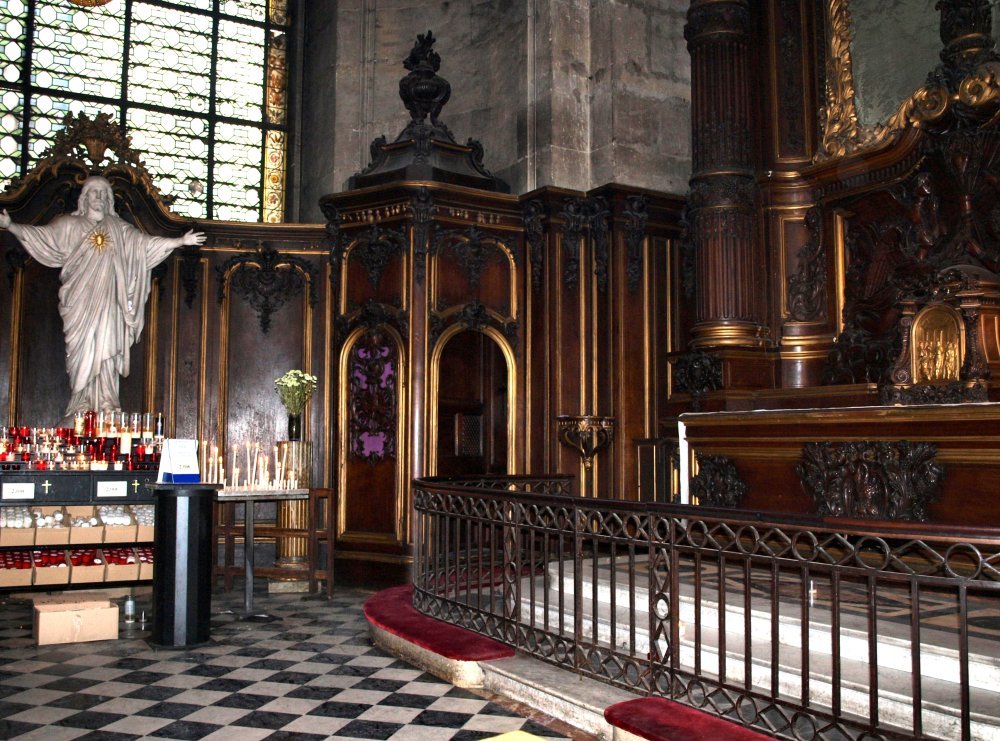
(312, 673)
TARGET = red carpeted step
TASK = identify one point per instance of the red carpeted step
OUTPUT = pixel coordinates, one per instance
(659, 719)
(392, 610)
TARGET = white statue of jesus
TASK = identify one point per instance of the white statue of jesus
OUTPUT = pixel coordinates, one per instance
(106, 264)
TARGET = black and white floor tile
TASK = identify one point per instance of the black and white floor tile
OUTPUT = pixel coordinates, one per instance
(311, 674)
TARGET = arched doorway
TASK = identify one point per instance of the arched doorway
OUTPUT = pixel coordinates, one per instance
(472, 406)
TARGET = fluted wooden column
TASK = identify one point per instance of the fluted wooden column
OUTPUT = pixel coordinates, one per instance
(729, 262)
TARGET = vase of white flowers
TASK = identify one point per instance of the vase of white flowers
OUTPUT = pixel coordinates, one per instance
(295, 388)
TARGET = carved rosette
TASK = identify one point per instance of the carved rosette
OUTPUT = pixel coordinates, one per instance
(696, 373)
(871, 480)
(718, 483)
(267, 280)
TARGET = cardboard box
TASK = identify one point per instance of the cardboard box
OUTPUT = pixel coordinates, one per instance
(119, 533)
(144, 533)
(75, 621)
(10, 575)
(51, 574)
(51, 535)
(144, 555)
(80, 573)
(15, 577)
(120, 571)
(83, 535)
(17, 537)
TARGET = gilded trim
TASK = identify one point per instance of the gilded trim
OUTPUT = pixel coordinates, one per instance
(840, 265)
(783, 220)
(844, 135)
(433, 393)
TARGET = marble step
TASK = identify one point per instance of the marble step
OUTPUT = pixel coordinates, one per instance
(939, 655)
(940, 715)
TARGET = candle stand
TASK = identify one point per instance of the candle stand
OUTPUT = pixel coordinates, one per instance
(587, 434)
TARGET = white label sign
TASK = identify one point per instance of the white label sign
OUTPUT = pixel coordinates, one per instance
(19, 490)
(112, 488)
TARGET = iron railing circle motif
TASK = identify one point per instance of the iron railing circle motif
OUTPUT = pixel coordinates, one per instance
(697, 695)
(967, 553)
(805, 540)
(747, 540)
(804, 727)
(746, 710)
(696, 533)
(873, 547)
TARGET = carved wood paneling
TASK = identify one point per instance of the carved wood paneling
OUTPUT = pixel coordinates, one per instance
(871, 480)
(717, 483)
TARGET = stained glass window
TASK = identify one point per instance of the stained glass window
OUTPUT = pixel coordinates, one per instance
(199, 85)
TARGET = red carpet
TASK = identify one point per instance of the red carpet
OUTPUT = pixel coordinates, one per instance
(392, 610)
(659, 719)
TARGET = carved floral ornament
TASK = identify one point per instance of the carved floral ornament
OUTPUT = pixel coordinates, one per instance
(871, 480)
(966, 85)
(266, 279)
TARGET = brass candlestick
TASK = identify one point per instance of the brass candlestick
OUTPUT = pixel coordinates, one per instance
(587, 434)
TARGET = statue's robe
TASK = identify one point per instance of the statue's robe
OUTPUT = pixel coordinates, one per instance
(105, 285)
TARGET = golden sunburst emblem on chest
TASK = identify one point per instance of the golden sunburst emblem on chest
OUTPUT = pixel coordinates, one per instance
(99, 239)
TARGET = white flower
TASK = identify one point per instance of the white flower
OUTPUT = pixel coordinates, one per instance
(295, 388)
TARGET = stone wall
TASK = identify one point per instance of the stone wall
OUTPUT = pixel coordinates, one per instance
(570, 93)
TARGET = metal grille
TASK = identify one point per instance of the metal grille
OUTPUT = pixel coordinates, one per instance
(797, 628)
(187, 79)
(468, 434)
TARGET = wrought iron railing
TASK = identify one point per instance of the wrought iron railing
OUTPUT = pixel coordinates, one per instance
(799, 628)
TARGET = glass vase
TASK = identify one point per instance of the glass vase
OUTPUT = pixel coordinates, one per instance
(294, 427)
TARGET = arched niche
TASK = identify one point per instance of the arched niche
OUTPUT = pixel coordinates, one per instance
(938, 342)
(472, 403)
(370, 433)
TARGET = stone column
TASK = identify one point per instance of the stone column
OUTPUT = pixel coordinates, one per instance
(729, 260)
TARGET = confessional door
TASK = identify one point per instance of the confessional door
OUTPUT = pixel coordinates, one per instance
(472, 434)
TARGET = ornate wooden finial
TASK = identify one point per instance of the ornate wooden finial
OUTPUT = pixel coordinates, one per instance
(423, 91)
(425, 149)
(85, 138)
